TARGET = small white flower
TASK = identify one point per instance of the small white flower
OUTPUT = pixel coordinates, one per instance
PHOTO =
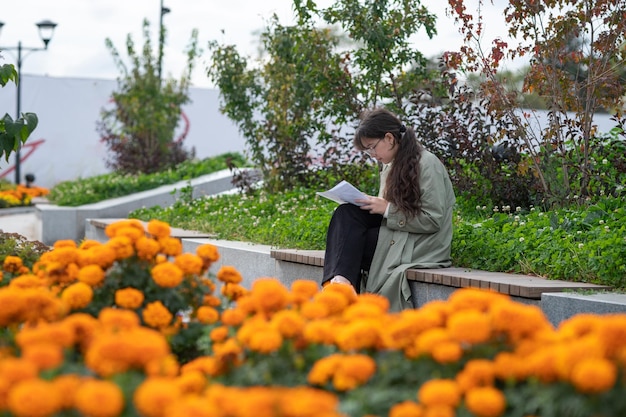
(580, 245)
(516, 218)
(521, 239)
(518, 209)
(601, 222)
(605, 161)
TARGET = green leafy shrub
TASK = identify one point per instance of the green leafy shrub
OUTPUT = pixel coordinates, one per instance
(102, 187)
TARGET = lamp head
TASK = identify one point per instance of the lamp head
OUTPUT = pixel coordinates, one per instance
(46, 30)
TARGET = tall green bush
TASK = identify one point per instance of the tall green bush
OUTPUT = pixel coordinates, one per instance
(296, 105)
(139, 128)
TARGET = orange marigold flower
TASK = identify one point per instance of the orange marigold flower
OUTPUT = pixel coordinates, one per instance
(77, 295)
(301, 401)
(122, 246)
(96, 398)
(233, 317)
(229, 274)
(439, 392)
(207, 315)
(320, 331)
(267, 341)
(303, 290)
(91, 275)
(167, 275)
(147, 248)
(14, 370)
(34, 398)
(163, 366)
(335, 301)
(208, 253)
(89, 243)
(12, 263)
(59, 333)
(476, 373)
(191, 382)
(323, 369)
(233, 291)
(211, 300)
(359, 334)
(64, 243)
(406, 409)
(130, 298)
(269, 294)
(157, 315)
(289, 323)
(132, 233)
(594, 375)
(101, 255)
(44, 355)
(428, 340)
(171, 246)
(154, 395)
(208, 365)
(114, 318)
(485, 401)
(193, 406)
(518, 320)
(352, 371)
(26, 281)
(112, 229)
(67, 384)
(219, 334)
(314, 310)
(447, 352)
(189, 263)
(159, 229)
(469, 326)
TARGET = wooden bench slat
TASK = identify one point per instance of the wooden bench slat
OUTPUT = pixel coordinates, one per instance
(518, 285)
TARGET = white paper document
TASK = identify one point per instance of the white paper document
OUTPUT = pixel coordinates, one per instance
(344, 192)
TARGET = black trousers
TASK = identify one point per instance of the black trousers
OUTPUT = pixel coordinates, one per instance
(350, 243)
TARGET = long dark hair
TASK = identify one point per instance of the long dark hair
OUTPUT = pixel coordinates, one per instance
(402, 188)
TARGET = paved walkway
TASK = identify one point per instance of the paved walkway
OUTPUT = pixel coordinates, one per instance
(23, 221)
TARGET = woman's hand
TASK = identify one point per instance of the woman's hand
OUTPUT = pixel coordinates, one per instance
(374, 205)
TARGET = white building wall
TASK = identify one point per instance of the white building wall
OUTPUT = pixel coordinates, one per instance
(66, 146)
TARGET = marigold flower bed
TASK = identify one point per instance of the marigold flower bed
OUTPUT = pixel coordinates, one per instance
(136, 327)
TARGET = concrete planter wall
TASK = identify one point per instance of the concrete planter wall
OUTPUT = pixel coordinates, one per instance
(61, 223)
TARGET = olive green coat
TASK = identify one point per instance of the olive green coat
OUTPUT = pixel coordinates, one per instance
(420, 242)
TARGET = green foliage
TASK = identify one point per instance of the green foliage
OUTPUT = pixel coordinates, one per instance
(585, 242)
(139, 129)
(293, 108)
(102, 187)
(14, 133)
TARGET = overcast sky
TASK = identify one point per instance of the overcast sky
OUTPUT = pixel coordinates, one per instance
(77, 49)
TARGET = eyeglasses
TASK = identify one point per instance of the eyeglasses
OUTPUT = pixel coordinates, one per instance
(372, 149)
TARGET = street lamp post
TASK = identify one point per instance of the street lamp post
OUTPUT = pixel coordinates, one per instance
(46, 30)
(164, 11)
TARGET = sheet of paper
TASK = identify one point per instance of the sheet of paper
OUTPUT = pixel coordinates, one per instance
(344, 192)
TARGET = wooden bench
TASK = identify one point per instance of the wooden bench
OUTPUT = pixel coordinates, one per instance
(516, 285)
